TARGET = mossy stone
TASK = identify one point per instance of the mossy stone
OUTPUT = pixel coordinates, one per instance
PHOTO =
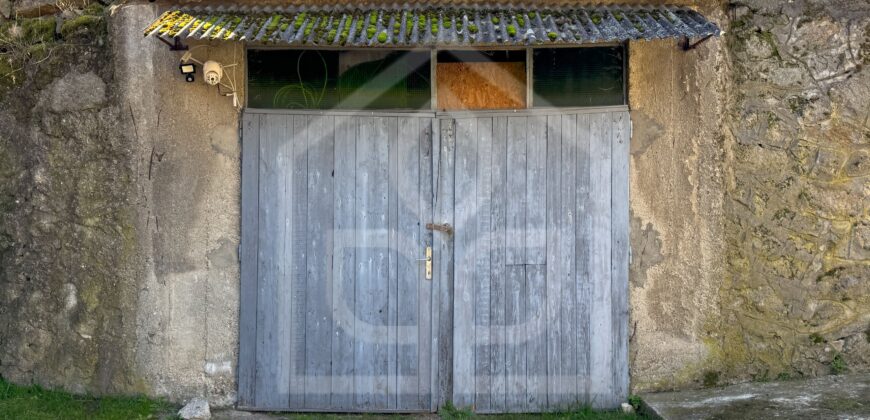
(38, 29)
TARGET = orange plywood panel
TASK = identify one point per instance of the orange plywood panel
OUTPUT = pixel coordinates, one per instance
(488, 85)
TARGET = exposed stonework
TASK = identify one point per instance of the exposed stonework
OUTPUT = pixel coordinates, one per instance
(68, 242)
(796, 295)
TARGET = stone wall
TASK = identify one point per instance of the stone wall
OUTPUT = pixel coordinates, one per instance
(795, 297)
(68, 236)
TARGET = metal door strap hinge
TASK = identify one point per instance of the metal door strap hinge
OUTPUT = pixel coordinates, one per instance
(446, 228)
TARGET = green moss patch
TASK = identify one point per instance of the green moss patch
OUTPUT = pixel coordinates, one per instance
(33, 402)
(38, 29)
(81, 24)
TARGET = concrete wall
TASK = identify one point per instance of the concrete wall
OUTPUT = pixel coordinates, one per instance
(187, 149)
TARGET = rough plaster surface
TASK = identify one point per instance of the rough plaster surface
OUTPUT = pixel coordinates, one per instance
(676, 205)
(187, 151)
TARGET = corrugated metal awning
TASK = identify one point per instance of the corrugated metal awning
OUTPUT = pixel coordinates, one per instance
(416, 26)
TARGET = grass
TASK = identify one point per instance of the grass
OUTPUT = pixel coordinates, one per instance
(35, 403)
(449, 412)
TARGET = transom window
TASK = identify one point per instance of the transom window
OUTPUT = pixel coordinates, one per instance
(378, 79)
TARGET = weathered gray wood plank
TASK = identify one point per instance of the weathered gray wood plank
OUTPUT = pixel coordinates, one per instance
(536, 191)
(498, 275)
(379, 297)
(344, 251)
(583, 229)
(536, 331)
(410, 249)
(371, 275)
(482, 280)
(265, 310)
(568, 388)
(249, 242)
(425, 307)
(444, 167)
(390, 128)
(515, 347)
(466, 203)
(297, 201)
(553, 326)
(620, 248)
(273, 367)
(601, 338)
(318, 335)
(515, 239)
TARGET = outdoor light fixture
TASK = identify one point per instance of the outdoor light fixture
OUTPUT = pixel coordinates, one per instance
(213, 74)
(188, 70)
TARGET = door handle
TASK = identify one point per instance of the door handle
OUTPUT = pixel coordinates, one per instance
(428, 260)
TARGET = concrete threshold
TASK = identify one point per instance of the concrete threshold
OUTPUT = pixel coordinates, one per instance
(828, 397)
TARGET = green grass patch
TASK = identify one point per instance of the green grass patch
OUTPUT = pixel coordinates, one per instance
(36, 403)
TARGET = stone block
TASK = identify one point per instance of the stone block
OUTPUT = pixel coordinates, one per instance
(858, 164)
(6, 8)
(75, 91)
(828, 163)
(34, 8)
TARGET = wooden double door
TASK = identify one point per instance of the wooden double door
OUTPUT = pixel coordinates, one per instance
(394, 262)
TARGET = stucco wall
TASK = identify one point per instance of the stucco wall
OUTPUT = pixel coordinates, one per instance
(676, 190)
(187, 150)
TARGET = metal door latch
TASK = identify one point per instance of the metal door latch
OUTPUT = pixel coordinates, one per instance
(446, 228)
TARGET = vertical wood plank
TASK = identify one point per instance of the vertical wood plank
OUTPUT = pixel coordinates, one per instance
(516, 197)
(273, 365)
(444, 168)
(266, 381)
(482, 279)
(463, 327)
(390, 128)
(297, 201)
(554, 255)
(620, 248)
(601, 357)
(498, 275)
(536, 191)
(343, 263)
(249, 242)
(370, 382)
(379, 296)
(410, 249)
(318, 335)
(536, 332)
(425, 307)
(515, 347)
(583, 232)
(568, 388)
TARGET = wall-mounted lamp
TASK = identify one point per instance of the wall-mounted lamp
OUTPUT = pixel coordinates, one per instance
(188, 70)
(213, 74)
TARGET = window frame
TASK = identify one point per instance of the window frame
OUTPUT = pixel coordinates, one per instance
(433, 63)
